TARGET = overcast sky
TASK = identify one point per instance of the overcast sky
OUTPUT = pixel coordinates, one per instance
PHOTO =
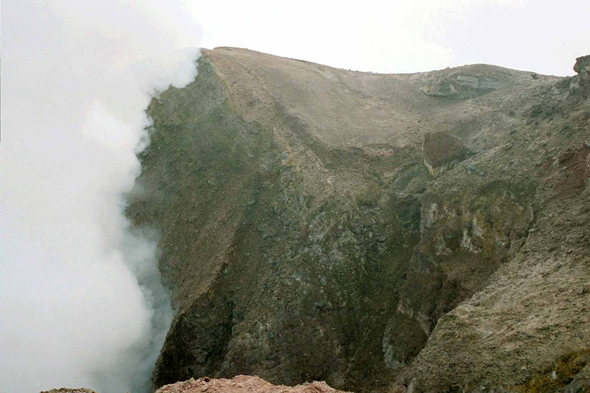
(544, 36)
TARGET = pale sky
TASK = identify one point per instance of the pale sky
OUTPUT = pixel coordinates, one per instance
(544, 36)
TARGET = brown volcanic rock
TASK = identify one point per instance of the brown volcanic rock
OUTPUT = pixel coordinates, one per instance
(442, 151)
(533, 313)
(242, 384)
(67, 390)
(303, 238)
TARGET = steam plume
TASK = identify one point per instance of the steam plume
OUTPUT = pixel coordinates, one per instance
(81, 302)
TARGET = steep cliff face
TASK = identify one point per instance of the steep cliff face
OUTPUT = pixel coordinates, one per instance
(304, 238)
(527, 328)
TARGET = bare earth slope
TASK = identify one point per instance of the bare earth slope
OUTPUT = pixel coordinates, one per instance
(307, 236)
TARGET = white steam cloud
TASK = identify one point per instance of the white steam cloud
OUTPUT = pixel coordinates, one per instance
(81, 301)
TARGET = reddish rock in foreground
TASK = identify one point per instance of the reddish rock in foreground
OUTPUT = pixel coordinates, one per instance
(242, 383)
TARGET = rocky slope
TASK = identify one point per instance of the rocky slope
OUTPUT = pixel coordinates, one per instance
(416, 232)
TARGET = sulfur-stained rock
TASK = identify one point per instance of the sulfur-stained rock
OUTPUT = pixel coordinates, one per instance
(580, 383)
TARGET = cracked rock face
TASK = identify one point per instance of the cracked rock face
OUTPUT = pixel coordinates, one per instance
(466, 82)
(303, 238)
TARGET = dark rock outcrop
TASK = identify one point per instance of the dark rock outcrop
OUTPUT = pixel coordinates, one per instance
(304, 239)
(466, 82)
(442, 151)
(580, 84)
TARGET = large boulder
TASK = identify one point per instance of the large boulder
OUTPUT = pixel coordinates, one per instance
(442, 151)
(580, 84)
(582, 64)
